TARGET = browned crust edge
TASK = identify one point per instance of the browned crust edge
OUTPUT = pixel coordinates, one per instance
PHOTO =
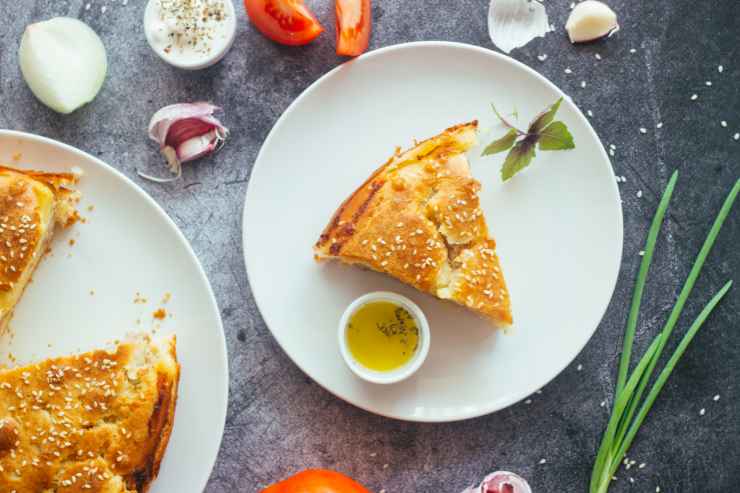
(55, 181)
(60, 184)
(8, 316)
(365, 192)
(160, 427)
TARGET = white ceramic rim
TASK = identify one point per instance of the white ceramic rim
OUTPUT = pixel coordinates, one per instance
(211, 60)
(411, 366)
(163, 215)
(516, 397)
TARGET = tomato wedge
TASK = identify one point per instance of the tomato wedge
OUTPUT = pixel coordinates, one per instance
(353, 26)
(288, 22)
(317, 481)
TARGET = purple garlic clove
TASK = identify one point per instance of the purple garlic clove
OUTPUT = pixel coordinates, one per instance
(185, 132)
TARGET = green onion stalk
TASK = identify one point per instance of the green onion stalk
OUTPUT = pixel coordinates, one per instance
(630, 409)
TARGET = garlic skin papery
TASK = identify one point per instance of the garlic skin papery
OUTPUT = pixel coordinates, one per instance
(501, 482)
(591, 20)
(184, 132)
(514, 23)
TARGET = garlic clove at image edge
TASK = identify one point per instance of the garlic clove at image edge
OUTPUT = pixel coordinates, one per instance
(591, 20)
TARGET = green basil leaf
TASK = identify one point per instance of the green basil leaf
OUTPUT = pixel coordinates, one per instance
(502, 144)
(519, 157)
(556, 137)
(545, 118)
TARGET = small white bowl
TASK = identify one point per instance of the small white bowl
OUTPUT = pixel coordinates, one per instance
(150, 16)
(405, 371)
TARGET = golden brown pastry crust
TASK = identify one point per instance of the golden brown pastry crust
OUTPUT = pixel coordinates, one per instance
(95, 422)
(418, 219)
(32, 203)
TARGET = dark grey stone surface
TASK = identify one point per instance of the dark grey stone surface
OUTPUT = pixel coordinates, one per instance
(279, 421)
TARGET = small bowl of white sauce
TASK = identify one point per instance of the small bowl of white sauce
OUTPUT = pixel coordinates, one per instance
(190, 34)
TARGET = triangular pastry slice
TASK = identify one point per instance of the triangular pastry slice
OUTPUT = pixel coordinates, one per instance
(32, 203)
(418, 219)
(97, 422)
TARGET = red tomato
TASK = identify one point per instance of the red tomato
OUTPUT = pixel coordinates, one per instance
(353, 26)
(285, 21)
(317, 481)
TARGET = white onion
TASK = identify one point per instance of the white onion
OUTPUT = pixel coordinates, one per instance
(63, 62)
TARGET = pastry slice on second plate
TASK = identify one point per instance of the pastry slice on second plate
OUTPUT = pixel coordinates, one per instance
(97, 422)
(32, 203)
(418, 219)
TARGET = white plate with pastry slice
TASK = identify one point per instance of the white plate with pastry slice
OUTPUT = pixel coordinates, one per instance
(429, 217)
(122, 268)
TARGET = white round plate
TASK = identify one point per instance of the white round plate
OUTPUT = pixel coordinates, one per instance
(558, 226)
(83, 296)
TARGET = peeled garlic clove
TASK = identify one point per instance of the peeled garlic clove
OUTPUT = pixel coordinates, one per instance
(185, 132)
(501, 482)
(514, 23)
(197, 146)
(591, 20)
(63, 62)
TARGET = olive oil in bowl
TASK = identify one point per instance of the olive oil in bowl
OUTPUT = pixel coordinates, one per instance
(383, 337)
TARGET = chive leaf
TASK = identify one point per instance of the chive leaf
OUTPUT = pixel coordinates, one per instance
(664, 374)
(620, 402)
(629, 334)
(621, 428)
(683, 296)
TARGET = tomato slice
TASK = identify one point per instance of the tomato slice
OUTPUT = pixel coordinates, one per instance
(317, 481)
(353, 26)
(287, 22)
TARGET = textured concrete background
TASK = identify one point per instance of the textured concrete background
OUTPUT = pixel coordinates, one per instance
(278, 420)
